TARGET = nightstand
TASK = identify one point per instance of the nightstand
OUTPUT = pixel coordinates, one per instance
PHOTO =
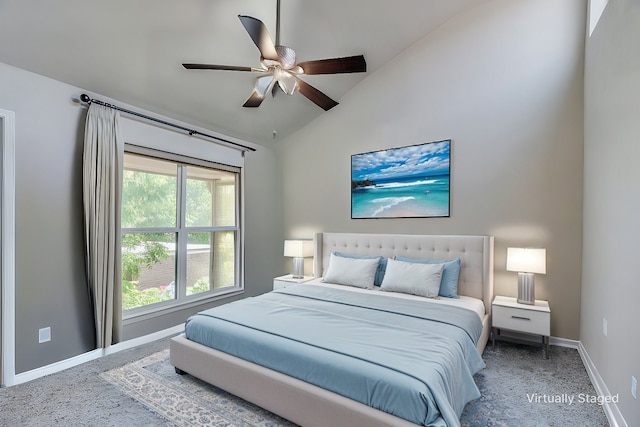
(288, 280)
(510, 315)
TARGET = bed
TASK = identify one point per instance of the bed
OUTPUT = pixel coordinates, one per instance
(305, 399)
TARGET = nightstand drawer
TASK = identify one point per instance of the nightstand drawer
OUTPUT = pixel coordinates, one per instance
(521, 320)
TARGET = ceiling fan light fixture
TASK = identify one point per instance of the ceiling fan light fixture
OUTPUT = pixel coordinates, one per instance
(286, 80)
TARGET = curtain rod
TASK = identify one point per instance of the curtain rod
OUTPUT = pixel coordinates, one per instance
(87, 99)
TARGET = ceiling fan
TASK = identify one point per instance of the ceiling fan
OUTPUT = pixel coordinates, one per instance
(278, 67)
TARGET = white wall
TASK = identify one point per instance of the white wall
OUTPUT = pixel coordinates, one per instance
(51, 287)
(504, 82)
(611, 288)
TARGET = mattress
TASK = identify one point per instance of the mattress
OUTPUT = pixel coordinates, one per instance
(412, 358)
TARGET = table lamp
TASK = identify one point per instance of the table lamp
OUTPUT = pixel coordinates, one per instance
(527, 262)
(299, 250)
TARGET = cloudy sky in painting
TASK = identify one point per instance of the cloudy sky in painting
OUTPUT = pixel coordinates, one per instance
(416, 160)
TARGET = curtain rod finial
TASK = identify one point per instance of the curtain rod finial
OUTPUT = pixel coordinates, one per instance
(85, 98)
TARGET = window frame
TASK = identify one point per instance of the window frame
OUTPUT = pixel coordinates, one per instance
(181, 300)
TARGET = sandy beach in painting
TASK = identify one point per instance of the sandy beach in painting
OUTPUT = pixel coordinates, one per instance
(412, 197)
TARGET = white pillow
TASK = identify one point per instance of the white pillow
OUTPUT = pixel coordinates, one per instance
(412, 278)
(358, 272)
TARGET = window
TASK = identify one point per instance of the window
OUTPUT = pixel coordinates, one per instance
(180, 232)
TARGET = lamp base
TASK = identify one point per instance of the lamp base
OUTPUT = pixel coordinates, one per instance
(526, 288)
(298, 268)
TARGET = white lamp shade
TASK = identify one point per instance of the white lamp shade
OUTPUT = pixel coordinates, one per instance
(527, 260)
(298, 248)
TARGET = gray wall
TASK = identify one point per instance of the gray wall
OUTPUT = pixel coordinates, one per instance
(504, 81)
(50, 277)
(610, 286)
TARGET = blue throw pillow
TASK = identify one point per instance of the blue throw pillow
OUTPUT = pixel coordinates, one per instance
(382, 265)
(450, 274)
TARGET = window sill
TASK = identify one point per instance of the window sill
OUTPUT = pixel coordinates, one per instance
(163, 309)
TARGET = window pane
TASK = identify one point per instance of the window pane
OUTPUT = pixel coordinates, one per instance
(211, 197)
(148, 192)
(224, 252)
(210, 261)
(198, 263)
(148, 269)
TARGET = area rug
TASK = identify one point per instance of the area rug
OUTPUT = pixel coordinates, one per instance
(184, 400)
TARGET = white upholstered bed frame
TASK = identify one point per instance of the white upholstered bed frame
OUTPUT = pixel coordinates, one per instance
(309, 405)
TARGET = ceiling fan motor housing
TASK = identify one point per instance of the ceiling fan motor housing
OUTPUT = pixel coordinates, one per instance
(287, 57)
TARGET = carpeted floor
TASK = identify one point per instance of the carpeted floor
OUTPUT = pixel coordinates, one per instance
(138, 387)
(79, 397)
(521, 388)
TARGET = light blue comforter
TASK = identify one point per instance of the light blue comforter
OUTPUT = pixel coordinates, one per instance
(404, 357)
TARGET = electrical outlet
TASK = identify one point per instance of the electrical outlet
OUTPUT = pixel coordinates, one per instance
(44, 335)
(634, 387)
(604, 326)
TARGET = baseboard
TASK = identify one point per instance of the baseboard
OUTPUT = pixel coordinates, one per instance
(55, 367)
(92, 355)
(610, 408)
(564, 342)
(125, 345)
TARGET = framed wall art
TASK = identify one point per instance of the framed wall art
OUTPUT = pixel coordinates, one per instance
(403, 182)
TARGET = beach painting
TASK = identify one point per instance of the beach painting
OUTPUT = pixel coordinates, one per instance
(404, 182)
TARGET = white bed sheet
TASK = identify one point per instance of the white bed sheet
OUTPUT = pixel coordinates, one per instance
(474, 304)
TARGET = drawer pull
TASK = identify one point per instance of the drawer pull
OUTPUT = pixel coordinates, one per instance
(520, 317)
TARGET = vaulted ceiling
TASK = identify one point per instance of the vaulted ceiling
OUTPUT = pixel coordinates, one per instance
(132, 51)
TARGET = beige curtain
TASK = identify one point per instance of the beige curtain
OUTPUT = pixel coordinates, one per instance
(102, 188)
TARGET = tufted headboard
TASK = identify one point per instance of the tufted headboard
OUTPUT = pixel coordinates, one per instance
(475, 253)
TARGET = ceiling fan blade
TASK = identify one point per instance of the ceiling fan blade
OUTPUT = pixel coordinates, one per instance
(219, 67)
(348, 64)
(263, 85)
(254, 100)
(260, 36)
(315, 96)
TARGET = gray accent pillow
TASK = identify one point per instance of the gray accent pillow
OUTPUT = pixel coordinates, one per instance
(412, 278)
(357, 272)
(379, 271)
